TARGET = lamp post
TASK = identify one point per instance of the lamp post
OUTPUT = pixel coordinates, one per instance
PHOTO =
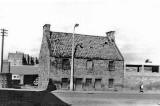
(72, 60)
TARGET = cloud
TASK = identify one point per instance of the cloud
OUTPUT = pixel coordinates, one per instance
(133, 58)
(137, 23)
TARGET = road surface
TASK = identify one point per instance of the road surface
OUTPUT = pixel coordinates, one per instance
(108, 99)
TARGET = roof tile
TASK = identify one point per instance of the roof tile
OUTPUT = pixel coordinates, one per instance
(86, 46)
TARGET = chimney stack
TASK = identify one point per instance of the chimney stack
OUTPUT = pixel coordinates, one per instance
(111, 36)
(46, 27)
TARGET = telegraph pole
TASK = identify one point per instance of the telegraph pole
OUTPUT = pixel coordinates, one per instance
(4, 32)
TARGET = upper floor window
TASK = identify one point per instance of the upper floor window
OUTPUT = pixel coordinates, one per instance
(89, 64)
(62, 63)
(111, 65)
(58, 63)
(66, 64)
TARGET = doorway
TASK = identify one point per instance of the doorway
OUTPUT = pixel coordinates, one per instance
(78, 83)
(65, 83)
(110, 83)
(97, 83)
(88, 84)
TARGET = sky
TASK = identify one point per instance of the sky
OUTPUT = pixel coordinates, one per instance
(136, 22)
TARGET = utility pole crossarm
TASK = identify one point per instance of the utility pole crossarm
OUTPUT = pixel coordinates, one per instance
(4, 31)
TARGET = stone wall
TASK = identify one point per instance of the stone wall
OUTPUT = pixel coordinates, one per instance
(6, 67)
(100, 71)
(44, 61)
(5, 80)
(150, 80)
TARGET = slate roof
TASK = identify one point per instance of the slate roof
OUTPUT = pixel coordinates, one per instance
(86, 46)
(24, 70)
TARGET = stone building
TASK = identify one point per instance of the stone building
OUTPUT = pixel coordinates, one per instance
(19, 58)
(15, 58)
(98, 63)
(24, 69)
(147, 74)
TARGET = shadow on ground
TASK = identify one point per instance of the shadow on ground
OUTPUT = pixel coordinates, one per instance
(29, 98)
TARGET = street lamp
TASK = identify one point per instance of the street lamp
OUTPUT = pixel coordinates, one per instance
(72, 60)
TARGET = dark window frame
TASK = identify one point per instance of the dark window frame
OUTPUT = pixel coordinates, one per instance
(111, 65)
(62, 63)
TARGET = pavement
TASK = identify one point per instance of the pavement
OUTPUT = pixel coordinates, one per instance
(108, 98)
(122, 91)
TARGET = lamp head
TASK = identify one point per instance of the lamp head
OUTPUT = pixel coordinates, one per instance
(76, 25)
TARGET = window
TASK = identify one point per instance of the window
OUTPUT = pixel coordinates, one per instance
(89, 65)
(65, 83)
(88, 81)
(155, 69)
(58, 63)
(111, 65)
(110, 83)
(66, 64)
(62, 63)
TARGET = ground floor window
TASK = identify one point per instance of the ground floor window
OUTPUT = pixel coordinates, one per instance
(65, 82)
(110, 83)
(88, 83)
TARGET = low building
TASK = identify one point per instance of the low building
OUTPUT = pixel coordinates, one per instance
(24, 75)
(98, 63)
(20, 69)
(147, 74)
